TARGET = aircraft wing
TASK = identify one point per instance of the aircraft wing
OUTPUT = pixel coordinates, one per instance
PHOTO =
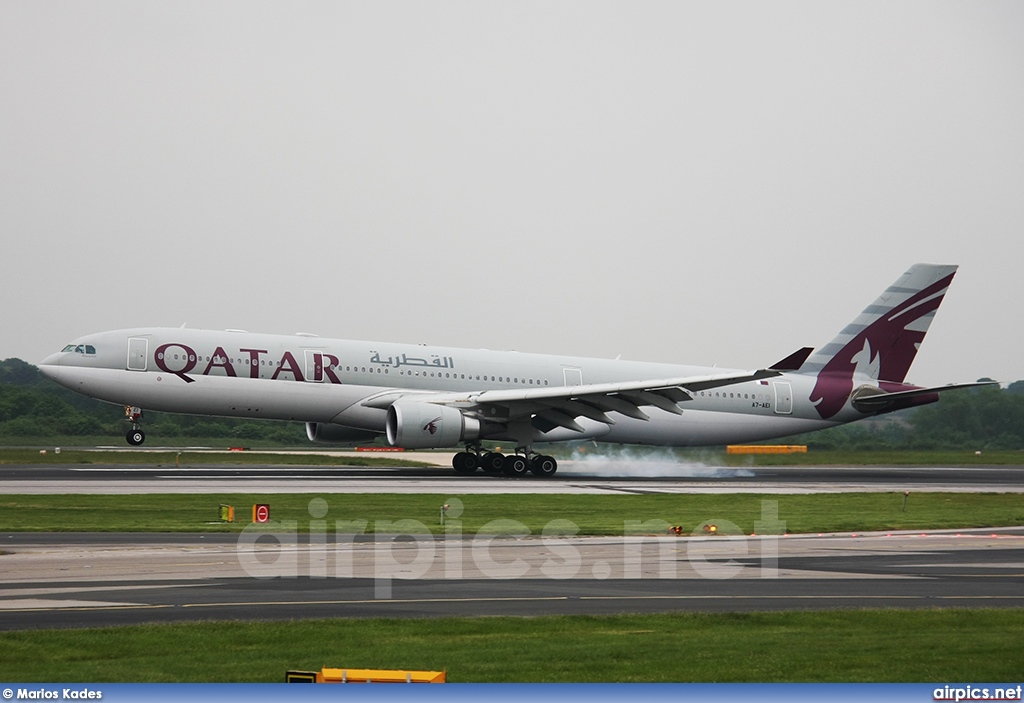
(559, 406)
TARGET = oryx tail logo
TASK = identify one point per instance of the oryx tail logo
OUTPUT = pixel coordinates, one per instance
(882, 351)
(431, 426)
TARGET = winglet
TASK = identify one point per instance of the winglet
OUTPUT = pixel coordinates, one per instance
(794, 361)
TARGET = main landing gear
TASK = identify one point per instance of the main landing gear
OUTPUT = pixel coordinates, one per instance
(514, 465)
(135, 435)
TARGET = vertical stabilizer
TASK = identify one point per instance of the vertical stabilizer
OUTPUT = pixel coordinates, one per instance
(880, 345)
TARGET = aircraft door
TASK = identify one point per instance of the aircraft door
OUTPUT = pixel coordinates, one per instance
(783, 398)
(138, 350)
(573, 377)
(314, 366)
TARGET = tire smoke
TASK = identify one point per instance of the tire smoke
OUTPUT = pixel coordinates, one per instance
(626, 462)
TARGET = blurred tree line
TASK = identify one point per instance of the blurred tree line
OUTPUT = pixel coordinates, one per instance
(33, 406)
(988, 418)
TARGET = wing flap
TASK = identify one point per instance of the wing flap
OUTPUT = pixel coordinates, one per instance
(613, 403)
(652, 398)
(576, 408)
(561, 419)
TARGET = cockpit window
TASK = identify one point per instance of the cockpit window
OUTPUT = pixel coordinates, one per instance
(80, 348)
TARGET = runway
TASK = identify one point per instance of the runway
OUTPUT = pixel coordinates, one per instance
(56, 580)
(83, 580)
(572, 478)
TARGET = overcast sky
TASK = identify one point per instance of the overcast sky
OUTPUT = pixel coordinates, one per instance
(694, 182)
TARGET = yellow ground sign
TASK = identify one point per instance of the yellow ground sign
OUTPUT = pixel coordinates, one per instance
(766, 449)
(332, 675)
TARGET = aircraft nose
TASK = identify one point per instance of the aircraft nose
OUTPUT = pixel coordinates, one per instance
(50, 366)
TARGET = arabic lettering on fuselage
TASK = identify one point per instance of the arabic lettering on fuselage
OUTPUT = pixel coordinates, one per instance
(436, 361)
(181, 360)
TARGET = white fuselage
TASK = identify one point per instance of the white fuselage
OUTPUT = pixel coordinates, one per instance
(350, 383)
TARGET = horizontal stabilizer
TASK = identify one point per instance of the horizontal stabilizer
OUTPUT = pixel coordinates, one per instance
(794, 361)
(871, 402)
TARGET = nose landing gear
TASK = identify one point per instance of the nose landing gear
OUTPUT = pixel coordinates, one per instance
(135, 436)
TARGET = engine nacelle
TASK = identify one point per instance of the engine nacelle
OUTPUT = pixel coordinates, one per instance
(413, 425)
(337, 434)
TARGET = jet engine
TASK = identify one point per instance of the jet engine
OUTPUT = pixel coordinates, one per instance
(337, 434)
(413, 425)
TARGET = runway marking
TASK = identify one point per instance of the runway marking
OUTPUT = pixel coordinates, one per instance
(802, 597)
(224, 468)
(396, 601)
(979, 576)
(56, 590)
(35, 605)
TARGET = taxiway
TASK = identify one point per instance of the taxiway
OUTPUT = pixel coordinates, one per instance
(80, 580)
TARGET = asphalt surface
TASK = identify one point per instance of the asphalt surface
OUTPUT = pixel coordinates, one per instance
(573, 477)
(83, 580)
(95, 580)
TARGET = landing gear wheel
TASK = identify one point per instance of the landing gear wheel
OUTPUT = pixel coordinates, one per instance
(492, 463)
(135, 437)
(516, 465)
(464, 463)
(543, 466)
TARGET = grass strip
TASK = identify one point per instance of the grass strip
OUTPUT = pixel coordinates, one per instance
(184, 457)
(504, 514)
(710, 457)
(834, 646)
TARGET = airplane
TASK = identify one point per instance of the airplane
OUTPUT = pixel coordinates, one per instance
(421, 396)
